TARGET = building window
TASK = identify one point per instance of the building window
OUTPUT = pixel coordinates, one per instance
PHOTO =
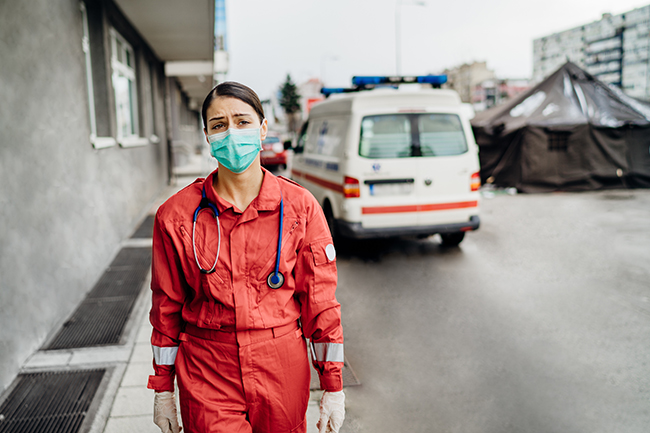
(97, 142)
(558, 140)
(124, 86)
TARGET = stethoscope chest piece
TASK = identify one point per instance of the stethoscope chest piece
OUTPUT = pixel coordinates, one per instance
(275, 281)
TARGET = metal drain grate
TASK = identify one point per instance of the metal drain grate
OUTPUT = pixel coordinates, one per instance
(146, 228)
(119, 282)
(101, 317)
(133, 257)
(97, 322)
(53, 402)
(349, 377)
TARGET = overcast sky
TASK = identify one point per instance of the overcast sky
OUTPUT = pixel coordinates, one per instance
(336, 39)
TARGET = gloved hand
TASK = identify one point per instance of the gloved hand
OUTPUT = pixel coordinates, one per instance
(332, 412)
(164, 412)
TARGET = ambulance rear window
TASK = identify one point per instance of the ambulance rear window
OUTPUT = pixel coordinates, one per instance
(412, 134)
(441, 135)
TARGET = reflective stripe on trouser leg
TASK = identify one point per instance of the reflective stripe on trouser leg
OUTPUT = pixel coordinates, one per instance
(328, 352)
(164, 355)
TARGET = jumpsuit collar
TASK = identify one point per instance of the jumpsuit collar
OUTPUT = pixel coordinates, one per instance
(268, 198)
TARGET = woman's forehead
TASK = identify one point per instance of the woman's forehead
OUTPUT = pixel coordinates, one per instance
(229, 105)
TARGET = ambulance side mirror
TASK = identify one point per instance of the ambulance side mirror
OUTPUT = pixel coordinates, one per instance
(287, 145)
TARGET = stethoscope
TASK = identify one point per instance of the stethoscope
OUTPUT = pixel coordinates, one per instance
(275, 279)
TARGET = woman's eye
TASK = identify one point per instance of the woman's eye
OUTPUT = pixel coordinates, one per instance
(244, 122)
(217, 126)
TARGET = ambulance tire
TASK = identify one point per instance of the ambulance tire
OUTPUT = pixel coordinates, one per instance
(329, 217)
(452, 239)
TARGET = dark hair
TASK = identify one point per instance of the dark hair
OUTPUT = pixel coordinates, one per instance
(234, 90)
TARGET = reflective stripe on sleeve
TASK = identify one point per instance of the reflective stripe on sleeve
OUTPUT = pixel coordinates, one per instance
(164, 355)
(328, 352)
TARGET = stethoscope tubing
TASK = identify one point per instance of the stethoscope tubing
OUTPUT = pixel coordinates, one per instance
(214, 265)
(275, 279)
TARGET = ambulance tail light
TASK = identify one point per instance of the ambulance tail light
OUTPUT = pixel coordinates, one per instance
(475, 181)
(351, 187)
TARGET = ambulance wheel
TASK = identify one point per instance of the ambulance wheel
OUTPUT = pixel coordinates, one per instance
(452, 239)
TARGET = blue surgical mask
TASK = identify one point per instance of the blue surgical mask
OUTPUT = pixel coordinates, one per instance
(236, 149)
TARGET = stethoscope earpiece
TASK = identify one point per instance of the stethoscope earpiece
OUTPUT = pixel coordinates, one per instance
(275, 279)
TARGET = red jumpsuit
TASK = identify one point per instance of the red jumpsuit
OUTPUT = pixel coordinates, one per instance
(233, 343)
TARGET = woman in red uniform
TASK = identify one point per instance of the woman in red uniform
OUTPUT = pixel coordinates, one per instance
(243, 267)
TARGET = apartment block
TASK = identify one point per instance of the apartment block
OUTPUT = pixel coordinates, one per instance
(464, 78)
(614, 49)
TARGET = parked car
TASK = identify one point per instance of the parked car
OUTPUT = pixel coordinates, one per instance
(274, 153)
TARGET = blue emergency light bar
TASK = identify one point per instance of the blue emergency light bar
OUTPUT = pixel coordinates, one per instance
(363, 81)
(331, 90)
(370, 82)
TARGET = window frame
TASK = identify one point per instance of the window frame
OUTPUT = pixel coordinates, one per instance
(119, 70)
(97, 142)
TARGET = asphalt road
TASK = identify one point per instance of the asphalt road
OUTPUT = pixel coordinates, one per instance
(538, 322)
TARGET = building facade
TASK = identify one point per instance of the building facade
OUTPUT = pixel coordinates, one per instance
(464, 78)
(493, 92)
(614, 49)
(310, 94)
(95, 96)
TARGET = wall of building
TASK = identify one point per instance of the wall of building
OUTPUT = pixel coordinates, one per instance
(614, 49)
(186, 125)
(464, 78)
(64, 205)
(493, 92)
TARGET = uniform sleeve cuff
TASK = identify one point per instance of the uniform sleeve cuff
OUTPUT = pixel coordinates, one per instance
(331, 382)
(161, 383)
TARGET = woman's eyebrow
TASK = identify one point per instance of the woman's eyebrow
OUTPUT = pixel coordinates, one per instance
(234, 115)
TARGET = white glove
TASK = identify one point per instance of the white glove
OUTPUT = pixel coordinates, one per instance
(164, 412)
(332, 412)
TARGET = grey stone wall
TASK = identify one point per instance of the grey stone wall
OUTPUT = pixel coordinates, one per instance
(64, 206)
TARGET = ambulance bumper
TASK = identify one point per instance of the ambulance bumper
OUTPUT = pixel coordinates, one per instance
(357, 231)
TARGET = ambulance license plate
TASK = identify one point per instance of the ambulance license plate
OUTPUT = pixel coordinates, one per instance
(386, 189)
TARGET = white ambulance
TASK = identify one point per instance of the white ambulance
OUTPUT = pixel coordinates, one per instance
(391, 161)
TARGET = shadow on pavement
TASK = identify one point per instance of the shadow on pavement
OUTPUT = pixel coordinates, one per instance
(374, 250)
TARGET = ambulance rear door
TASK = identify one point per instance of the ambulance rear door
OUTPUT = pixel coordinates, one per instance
(417, 169)
(446, 161)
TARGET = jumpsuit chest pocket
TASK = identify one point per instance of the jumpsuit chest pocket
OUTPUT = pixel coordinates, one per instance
(288, 256)
(206, 257)
(214, 288)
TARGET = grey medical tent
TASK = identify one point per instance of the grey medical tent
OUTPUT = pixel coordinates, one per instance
(571, 132)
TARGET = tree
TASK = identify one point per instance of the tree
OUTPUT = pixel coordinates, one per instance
(290, 103)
